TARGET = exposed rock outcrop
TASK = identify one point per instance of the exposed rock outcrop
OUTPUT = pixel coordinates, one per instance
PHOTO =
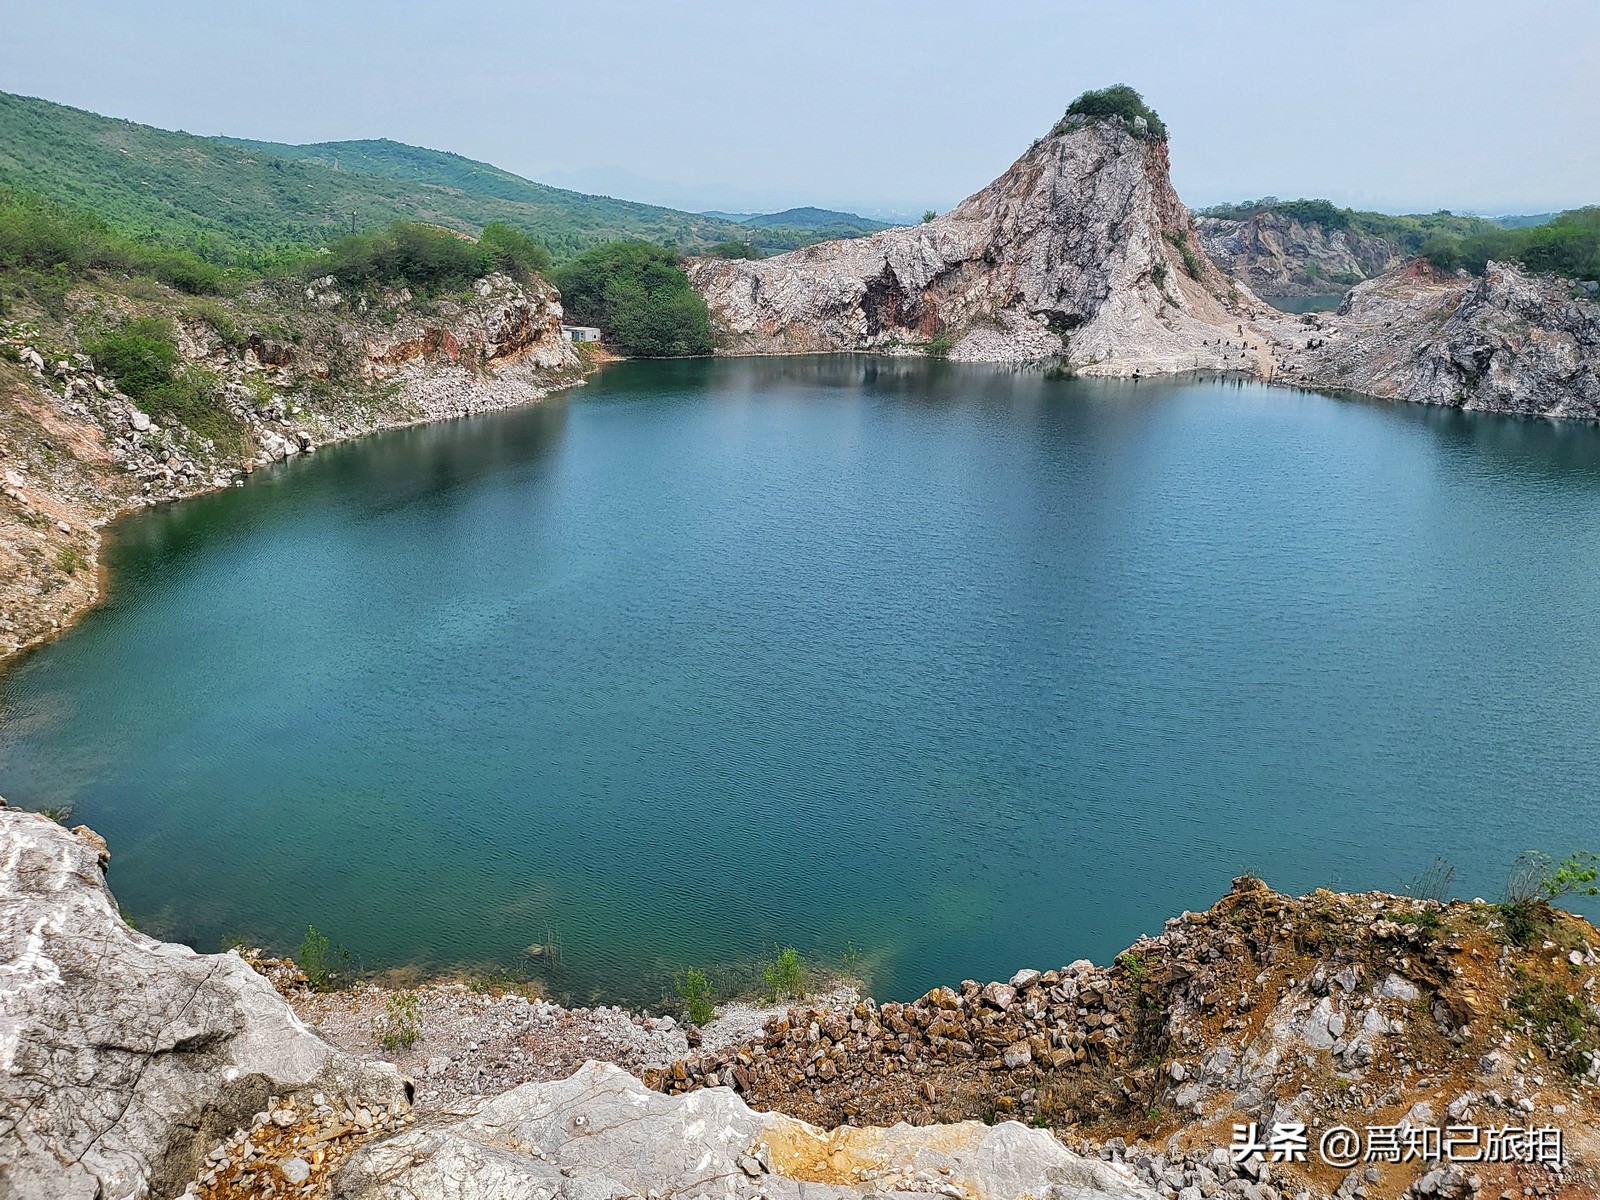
(1081, 250)
(1326, 1009)
(1277, 255)
(602, 1133)
(123, 1060)
(1509, 342)
(295, 367)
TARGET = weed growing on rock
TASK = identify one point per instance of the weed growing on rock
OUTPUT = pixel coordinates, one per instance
(400, 1026)
(1536, 882)
(1191, 260)
(785, 975)
(71, 560)
(320, 961)
(694, 989)
(1560, 1022)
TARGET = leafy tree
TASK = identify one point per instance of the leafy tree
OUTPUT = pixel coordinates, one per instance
(514, 252)
(1121, 101)
(733, 248)
(929, 215)
(640, 297)
(421, 256)
(39, 235)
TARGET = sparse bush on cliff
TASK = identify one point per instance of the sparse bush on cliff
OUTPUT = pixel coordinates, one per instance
(640, 297)
(1191, 260)
(1119, 100)
(1535, 883)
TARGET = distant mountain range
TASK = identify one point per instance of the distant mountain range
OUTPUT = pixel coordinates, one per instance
(232, 196)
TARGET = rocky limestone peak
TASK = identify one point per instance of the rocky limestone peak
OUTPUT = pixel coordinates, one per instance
(1080, 250)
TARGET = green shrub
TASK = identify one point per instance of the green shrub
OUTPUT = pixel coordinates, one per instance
(400, 1026)
(1121, 101)
(785, 975)
(71, 560)
(1535, 883)
(320, 961)
(218, 318)
(929, 216)
(939, 347)
(1191, 261)
(640, 297)
(143, 358)
(423, 257)
(694, 989)
(37, 235)
(733, 249)
(514, 252)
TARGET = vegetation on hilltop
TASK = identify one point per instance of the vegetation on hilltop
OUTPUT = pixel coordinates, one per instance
(1121, 101)
(1564, 244)
(1569, 245)
(260, 204)
(43, 243)
(641, 299)
(1408, 232)
(421, 256)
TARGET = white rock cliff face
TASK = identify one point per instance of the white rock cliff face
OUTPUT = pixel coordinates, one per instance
(1081, 250)
(124, 1059)
(602, 1133)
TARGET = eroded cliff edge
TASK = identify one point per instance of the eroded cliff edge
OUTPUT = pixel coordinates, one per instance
(295, 366)
(130, 1067)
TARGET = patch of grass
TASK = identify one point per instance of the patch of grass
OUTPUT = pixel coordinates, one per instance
(1191, 260)
(1563, 1024)
(939, 347)
(400, 1026)
(71, 560)
(785, 975)
(1426, 919)
(321, 962)
(218, 318)
(694, 989)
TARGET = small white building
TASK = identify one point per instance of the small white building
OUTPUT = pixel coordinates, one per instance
(581, 333)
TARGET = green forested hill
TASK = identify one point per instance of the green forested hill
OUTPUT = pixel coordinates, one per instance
(229, 198)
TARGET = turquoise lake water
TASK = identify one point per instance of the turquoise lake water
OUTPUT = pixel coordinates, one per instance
(965, 667)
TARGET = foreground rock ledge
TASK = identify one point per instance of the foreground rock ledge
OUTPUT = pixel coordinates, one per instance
(123, 1060)
(602, 1133)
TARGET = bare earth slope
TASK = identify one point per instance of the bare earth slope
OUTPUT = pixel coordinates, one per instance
(1081, 250)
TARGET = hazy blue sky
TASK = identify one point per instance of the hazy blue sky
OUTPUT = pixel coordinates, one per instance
(1398, 105)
